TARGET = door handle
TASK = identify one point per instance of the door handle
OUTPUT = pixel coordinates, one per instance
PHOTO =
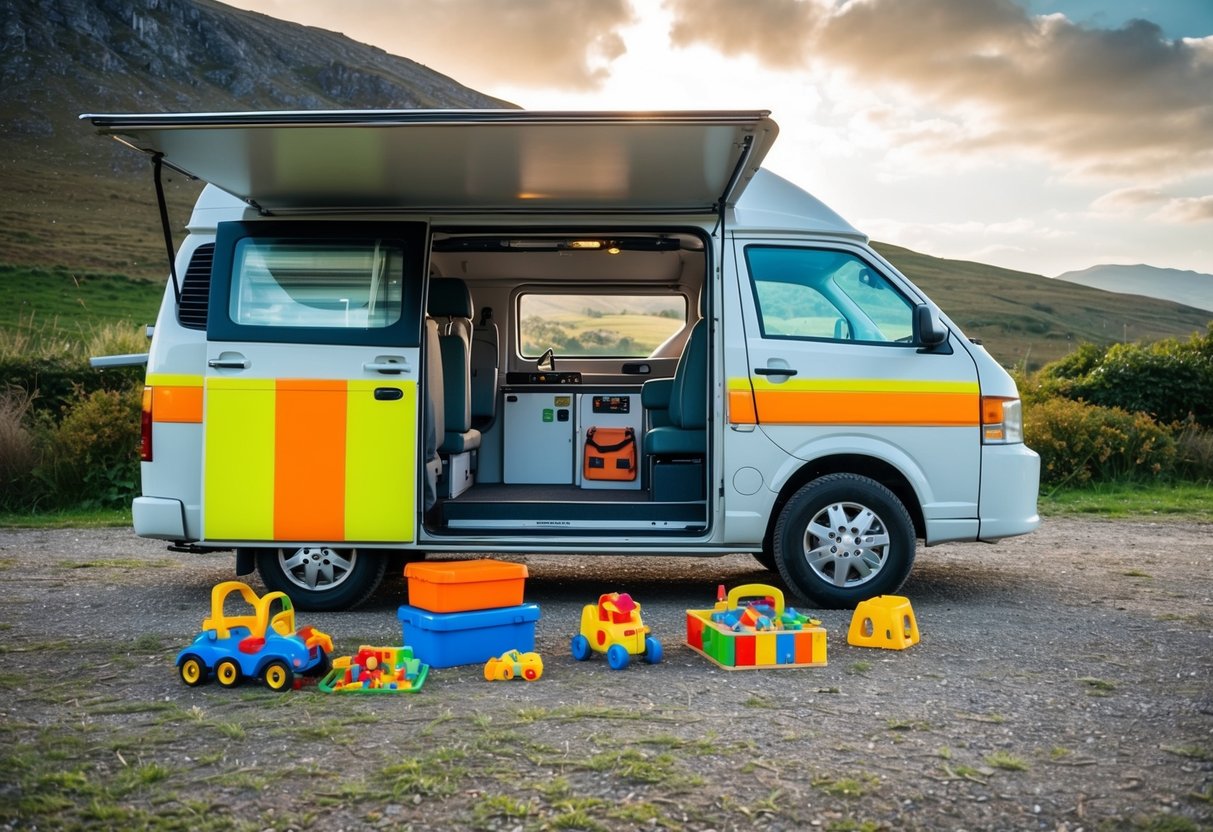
(387, 366)
(229, 363)
(774, 371)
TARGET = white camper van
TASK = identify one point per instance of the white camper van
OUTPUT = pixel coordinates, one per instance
(573, 332)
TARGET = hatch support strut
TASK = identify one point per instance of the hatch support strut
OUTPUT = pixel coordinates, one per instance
(164, 223)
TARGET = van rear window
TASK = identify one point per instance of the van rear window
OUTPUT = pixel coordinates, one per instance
(316, 284)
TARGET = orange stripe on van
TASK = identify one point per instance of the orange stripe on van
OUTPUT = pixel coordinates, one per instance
(309, 485)
(884, 407)
(741, 407)
(176, 404)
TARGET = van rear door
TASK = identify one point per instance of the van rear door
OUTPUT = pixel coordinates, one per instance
(312, 382)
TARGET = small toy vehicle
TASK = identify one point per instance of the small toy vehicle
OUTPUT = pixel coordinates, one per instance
(260, 645)
(514, 665)
(613, 626)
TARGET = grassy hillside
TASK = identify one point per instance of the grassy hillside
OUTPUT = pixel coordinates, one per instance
(1027, 320)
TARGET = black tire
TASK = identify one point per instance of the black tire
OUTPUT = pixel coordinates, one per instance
(322, 667)
(321, 578)
(870, 538)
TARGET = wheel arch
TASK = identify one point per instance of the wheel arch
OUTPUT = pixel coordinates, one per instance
(865, 465)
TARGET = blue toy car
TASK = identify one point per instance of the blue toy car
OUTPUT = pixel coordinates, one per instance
(261, 645)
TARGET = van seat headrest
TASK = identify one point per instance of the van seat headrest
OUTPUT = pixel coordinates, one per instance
(450, 298)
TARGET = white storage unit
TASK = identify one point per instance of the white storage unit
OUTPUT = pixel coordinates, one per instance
(538, 438)
(608, 410)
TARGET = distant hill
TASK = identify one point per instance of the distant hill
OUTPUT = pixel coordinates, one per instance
(68, 196)
(72, 200)
(1187, 287)
(1028, 320)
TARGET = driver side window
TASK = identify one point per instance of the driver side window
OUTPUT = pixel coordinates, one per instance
(824, 294)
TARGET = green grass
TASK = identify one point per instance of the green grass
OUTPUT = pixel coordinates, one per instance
(1191, 501)
(69, 518)
(50, 304)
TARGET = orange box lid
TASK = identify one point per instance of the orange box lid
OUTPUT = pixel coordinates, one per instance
(464, 571)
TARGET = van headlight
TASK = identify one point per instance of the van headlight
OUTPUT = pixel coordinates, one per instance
(1001, 420)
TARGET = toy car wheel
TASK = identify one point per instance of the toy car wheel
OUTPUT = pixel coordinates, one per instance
(227, 673)
(321, 578)
(530, 674)
(278, 677)
(580, 647)
(617, 657)
(842, 539)
(652, 650)
(193, 670)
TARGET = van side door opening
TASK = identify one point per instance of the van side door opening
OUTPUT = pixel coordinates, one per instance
(591, 324)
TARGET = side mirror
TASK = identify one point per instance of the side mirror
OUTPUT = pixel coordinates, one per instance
(929, 331)
(547, 362)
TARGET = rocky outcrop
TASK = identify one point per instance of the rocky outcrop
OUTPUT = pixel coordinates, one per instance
(60, 58)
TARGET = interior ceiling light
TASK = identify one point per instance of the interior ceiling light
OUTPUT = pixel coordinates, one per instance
(590, 244)
(613, 250)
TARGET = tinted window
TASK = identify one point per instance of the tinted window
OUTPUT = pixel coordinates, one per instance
(819, 293)
(315, 284)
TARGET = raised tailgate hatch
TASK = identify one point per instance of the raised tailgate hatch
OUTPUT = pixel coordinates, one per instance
(460, 160)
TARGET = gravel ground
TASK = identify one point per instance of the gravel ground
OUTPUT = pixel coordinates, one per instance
(1064, 681)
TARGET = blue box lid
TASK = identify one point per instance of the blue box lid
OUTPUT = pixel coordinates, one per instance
(470, 620)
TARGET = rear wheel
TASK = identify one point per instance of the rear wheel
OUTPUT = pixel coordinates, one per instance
(278, 677)
(617, 657)
(322, 578)
(652, 650)
(227, 673)
(580, 648)
(842, 539)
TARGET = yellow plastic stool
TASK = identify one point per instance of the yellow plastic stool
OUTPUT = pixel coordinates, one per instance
(884, 621)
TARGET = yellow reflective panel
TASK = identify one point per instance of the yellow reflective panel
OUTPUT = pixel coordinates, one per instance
(238, 494)
(381, 462)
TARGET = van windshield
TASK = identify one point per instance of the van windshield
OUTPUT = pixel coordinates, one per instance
(347, 284)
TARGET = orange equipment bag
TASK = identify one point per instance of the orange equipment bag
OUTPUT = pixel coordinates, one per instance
(610, 454)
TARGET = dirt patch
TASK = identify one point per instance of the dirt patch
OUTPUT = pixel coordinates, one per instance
(1064, 681)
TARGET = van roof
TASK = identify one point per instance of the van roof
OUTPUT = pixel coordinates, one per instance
(463, 161)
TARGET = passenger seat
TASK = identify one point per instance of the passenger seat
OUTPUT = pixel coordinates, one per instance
(450, 305)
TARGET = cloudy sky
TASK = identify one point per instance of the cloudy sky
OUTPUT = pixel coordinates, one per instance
(1042, 135)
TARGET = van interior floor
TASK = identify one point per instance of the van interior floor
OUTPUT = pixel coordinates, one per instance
(564, 509)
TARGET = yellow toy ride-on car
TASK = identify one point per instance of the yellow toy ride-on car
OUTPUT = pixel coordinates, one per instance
(613, 626)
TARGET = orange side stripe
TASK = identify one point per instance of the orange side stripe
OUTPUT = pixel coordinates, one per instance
(309, 460)
(799, 407)
(741, 408)
(176, 404)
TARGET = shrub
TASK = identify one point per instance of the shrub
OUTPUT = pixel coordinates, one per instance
(57, 381)
(1194, 452)
(1171, 380)
(18, 452)
(1080, 443)
(92, 454)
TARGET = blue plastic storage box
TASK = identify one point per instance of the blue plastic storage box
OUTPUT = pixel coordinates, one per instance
(473, 637)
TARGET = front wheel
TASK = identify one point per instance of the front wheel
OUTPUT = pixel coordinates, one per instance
(193, 670)
(320, 578)
(618, 657)
(652, 650)
(842, 539)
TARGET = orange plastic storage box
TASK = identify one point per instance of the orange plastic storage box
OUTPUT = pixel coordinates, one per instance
(463, 585)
